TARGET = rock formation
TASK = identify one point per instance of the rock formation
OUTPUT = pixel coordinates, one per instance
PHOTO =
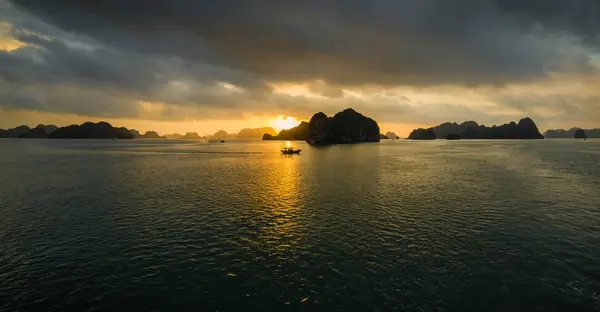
(444, 129)
(14, 132)
(190, 136)
(383, 136)
(150, 135)
(222, 134)
(525, 129)
(39, 132)
(299, 132)
(257, 133)
(347, 126)
(422, 134)
(136, 134)
(580, 134)
(568, 134)
(391, 135)
(90, 130)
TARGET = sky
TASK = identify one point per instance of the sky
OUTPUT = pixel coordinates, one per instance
(184, 65)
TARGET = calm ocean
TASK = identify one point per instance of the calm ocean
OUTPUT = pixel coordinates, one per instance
(139, 225)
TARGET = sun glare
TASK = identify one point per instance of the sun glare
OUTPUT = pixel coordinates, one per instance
(284, 122)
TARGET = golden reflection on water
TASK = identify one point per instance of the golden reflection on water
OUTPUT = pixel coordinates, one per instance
(280, 230)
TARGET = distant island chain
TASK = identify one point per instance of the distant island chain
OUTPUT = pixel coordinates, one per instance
(347, 126)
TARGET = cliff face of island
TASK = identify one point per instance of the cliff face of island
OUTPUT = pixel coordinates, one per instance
(569, 134)
(347, 126)
(525, 129)
(257, 133)
(298, 133)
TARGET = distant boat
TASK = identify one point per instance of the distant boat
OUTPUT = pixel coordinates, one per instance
(290, 150)
(216, 141)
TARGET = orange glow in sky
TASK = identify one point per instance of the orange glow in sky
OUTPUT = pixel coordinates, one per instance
(284, 122)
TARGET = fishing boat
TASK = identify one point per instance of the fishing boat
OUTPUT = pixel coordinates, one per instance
(288, 150)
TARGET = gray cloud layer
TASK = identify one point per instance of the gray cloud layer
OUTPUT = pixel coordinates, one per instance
(180, 52)
(345, 42)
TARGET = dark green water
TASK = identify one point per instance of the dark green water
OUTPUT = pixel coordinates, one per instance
(190, 226)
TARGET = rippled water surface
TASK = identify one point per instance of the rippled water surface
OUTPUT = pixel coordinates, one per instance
(191, 226)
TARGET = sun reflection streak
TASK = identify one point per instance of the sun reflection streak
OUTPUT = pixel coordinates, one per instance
(280, 233)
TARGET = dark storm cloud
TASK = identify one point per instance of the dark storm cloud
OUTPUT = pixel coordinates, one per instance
(581, 17)
(347, 42)
(102, 58)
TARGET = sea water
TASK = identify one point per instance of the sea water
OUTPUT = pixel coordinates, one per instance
(109, 225)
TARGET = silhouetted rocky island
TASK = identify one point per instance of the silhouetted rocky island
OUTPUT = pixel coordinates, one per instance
(569, 134)
(14, 132)
(221, 134)
(347, 126)
(443, 130)
(422, 134)
(580, 134)
(391, 135)
(525, 129)
(256, 133)
(190, 136)
(39, 132)
(149, 135)
(297, 133)
(90, 130)
(383, 136)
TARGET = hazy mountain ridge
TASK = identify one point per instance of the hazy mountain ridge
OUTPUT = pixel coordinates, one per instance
(255, 133)
(569, 134)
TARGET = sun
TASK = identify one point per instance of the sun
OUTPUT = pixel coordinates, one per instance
(284, 122)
